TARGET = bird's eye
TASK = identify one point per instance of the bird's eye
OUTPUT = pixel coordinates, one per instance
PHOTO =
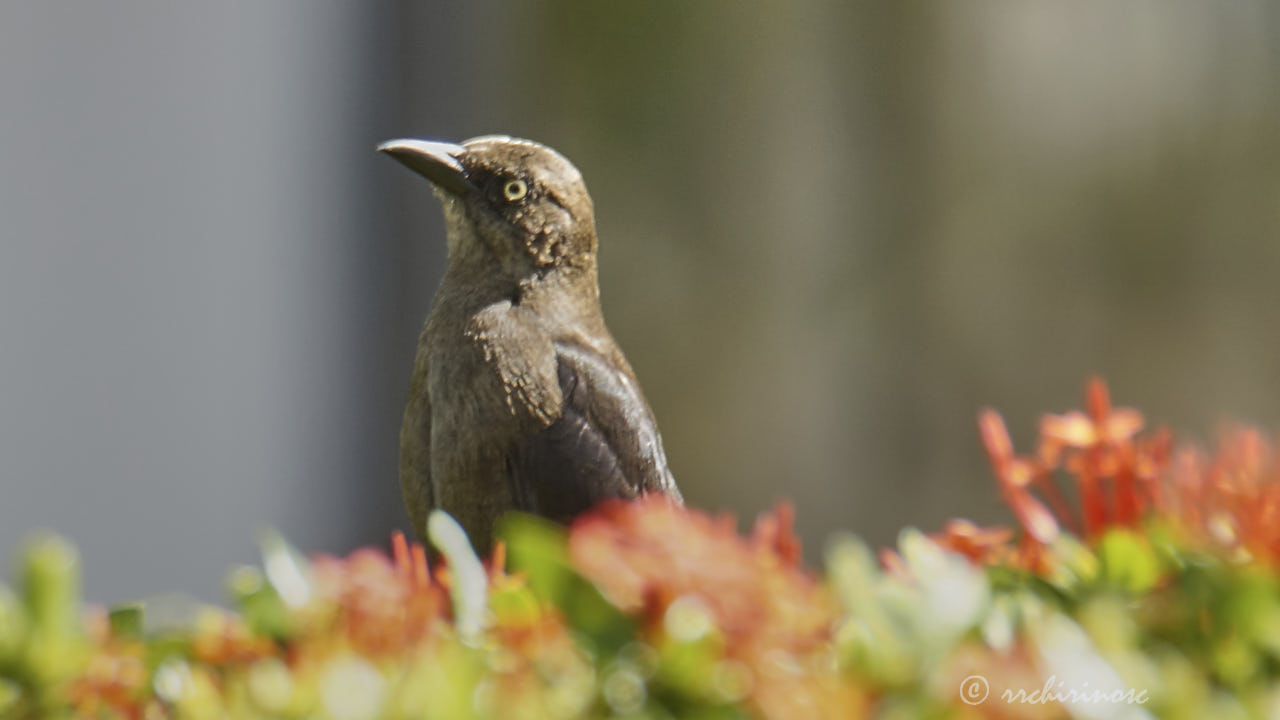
(515, 189)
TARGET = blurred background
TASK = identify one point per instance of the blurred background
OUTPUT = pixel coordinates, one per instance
(830, 234)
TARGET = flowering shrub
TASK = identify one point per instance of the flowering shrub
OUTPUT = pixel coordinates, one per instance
(1139, 581)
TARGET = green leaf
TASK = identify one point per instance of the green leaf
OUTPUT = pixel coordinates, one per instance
(10, 696)
(540, 549)
(13, 627)
(259, 603)
(51, 586)
(1127, 561)
(126, 620)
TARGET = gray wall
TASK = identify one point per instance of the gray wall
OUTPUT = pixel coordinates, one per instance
(201, 295)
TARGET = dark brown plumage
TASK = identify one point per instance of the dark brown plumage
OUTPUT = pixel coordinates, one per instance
(520, 398)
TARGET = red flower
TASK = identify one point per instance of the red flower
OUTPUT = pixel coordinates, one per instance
(1231, 501)
(650, 556)
(1122, 477)
(385, 606)
(1015, 475)
(1102, 444)
(1104, 426)
(981, 545)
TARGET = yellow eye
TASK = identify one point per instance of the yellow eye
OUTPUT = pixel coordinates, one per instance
(515, 190)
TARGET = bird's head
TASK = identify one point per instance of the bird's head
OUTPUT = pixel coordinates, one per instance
(511, 206)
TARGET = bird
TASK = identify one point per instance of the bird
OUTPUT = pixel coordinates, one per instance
(519, 399)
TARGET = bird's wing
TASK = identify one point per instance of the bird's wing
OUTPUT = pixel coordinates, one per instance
(604, 442)
(415, 446)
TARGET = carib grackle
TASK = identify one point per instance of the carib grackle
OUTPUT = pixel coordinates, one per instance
(520, 399)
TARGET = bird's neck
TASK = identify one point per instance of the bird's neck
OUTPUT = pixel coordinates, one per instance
(568, 296)
(562, 296)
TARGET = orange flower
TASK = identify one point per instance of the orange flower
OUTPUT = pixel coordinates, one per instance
(645, 554)
(1231, 501)
(385, 606)
(1122, 477)
(652, 556)
(981, 545)
(1103, 426)
(1102, 444)
(1015, 474)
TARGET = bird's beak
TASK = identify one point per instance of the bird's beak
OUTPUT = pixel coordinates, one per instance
(435, 161)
